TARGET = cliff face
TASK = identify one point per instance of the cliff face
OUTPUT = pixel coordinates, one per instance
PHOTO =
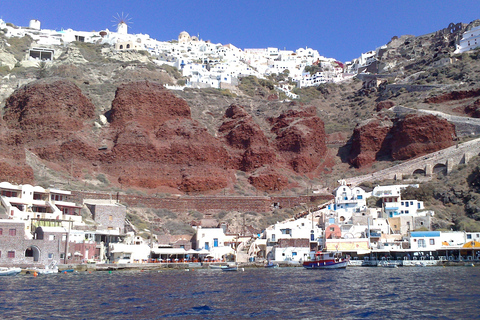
(300, 139)
(151, 140)
(368, 142)
(404, 139)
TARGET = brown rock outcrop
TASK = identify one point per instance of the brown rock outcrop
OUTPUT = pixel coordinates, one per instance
(384, 105)
(300, 139)
(418, 135)
(454, 95)
(407, 138)
(250, 147)
(368, 142)
(473, 110)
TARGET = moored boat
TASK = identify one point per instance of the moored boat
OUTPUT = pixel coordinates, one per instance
(326, 260)
(9, 271)
(271, 265)
(229, 268)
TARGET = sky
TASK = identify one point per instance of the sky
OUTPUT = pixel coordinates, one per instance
(341, 29)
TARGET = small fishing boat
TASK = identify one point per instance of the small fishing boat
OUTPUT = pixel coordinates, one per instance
(49, 269)
(216, 266)
(271, 265)
(229, 268)
(9, 271)
(325, 260)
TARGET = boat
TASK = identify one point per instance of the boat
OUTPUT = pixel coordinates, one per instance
(326, 260)
(229, 268)
(469, 264)
(9, 271)
(49, 269)
(271, 265)
(216, 266)
(387, 264)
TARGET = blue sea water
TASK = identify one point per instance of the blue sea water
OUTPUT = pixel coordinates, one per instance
(282, 293)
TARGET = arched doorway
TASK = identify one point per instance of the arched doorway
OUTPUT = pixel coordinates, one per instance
(33, 252)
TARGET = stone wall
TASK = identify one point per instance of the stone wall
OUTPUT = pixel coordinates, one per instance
(207, 204)
(109, 216)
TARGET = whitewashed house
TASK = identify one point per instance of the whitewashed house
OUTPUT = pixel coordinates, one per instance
(470, 40)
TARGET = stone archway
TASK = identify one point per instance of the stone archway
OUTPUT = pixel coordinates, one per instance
(440, 168)
(33, 252)
(419, 172)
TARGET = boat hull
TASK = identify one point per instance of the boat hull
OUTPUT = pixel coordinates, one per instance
(10, 271)
(325, 265)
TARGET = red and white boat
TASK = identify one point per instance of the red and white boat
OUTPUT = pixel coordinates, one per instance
(326, 260)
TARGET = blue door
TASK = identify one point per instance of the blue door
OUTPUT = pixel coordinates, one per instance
(215, 242)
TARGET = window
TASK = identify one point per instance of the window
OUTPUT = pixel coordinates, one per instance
(286, 231)
(110, 218)
(50, 256)
(207, 246)
(62, 255)
(11, 254)
(421, 243)
(12, 232)
(1, 231)
(273, 238)
(64, 237)
(51, 237)
(411, 203)
(332, 229)
(359, 197)
(469, 236)
(294, 254)
(432, 242)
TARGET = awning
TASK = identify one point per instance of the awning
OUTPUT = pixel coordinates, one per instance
(169, 251)
(202, 251)
(472, 244)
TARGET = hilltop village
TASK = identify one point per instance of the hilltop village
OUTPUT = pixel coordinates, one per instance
(39, 225)
(210, 65)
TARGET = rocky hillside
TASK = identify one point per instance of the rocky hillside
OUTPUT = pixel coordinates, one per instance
(100, 119)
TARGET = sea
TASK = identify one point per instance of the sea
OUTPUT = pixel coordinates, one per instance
(255, 293)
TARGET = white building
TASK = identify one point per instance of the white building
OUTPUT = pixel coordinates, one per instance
(348, 201)
(215, 241)
(26, 202)
(434, 240)
(470, 40)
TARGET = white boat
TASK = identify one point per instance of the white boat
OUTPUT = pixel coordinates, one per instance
(217, 266)
(51, 268)
(387, 264)
(9, 271)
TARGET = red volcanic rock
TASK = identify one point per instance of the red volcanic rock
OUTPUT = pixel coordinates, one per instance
(148, 103)
(474, 109)
(367, 142)
(406, 139)
(48, 108)
(454, 95)
(418, 135)
(268, 180)
(300, 139)
(384, 105)
(154, 130)
(250, 146)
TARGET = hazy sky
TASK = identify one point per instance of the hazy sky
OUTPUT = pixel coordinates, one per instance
(341, 29)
